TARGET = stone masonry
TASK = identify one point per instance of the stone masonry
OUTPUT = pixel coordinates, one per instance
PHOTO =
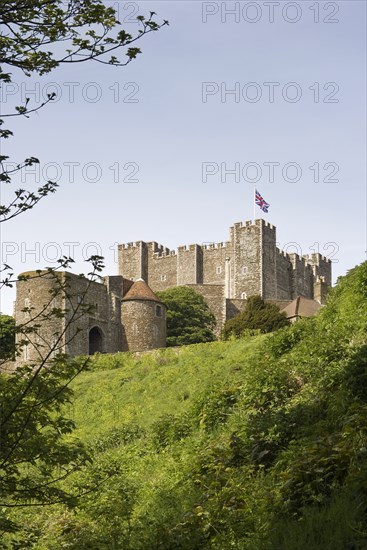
(124, 314)
(109, 316)
(227, 273)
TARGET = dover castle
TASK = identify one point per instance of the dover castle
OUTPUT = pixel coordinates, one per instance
(128, 316)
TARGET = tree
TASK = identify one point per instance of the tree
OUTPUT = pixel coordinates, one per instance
(37, 37)
(258, 315)
(40, 35)
(7, 336)
(189, 319)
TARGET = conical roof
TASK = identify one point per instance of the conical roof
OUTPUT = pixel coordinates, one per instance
(140, 291)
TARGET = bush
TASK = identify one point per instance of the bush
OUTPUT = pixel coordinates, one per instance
(189, 319)
(7, 337)
(257, 315)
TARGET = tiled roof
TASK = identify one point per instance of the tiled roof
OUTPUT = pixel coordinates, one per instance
(302, 307)
(140, 291)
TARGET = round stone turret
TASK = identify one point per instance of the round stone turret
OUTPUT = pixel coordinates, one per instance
(143, 317)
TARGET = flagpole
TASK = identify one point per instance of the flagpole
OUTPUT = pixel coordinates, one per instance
(254, 204)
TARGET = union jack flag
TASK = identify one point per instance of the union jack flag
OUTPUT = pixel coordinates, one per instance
(261, 202)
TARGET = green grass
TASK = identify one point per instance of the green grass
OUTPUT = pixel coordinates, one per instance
(254, 444)
(142, 389)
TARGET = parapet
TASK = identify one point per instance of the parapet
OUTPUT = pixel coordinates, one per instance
(258, 223)
(282, 253)
(165, 253)
(316, 258)
(296, 258)
(129, 245)
(188, 248)
(158, 249)
(214, 246)
(263, 223)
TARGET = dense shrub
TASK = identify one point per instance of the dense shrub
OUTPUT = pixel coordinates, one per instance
(189, 319)
(252, 444)
(257, 315)
(7, 337)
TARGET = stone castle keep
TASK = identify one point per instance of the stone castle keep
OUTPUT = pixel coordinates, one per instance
(126, 315)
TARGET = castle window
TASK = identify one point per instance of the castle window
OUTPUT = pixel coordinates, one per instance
(95, 310)
(243, 296)
(158, 311)
(26, 352)
(27, 302)
(219, 270)
(244, 270)
(54, 350)
(163, 277)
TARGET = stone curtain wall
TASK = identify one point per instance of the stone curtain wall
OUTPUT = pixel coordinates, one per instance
(269, 265)
(214, 297)
(105, 315)
(129, 258)
(36, 293)
(234, 307)
(249, 263)
(189, 265)
(284, 275)
(322, 267)
(214, 259)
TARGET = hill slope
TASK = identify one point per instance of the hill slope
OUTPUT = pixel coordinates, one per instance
(258, 443)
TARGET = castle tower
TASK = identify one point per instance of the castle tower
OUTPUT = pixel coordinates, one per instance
(65, 313)
(143, 317)
(320, 290)
(253, 260)
(36, 297)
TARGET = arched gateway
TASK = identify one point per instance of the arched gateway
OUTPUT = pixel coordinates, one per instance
(95, 341)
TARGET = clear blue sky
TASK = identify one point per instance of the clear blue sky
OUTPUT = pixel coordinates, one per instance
(169, 132)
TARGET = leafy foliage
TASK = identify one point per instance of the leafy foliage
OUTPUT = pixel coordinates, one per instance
(255, 444)
(257, 315)
(37, 449)
(7, 336)
(189, 319)
(34, 456)
(38, 37)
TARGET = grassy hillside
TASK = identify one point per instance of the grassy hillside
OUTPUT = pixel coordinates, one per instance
(258, 444)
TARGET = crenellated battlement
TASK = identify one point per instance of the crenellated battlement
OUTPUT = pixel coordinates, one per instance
(156, 248)
(281, 252)
(315, 258)
(294, 257)
(215, 246)
(125, 246)
(251, 224)
(263, 223)
(256, 265)
(188, 248)
(166, 253)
